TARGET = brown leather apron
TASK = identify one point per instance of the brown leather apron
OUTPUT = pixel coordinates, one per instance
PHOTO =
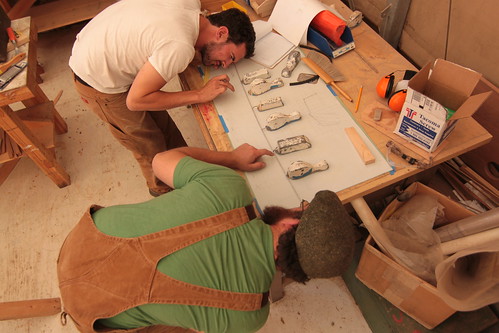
(101, 276)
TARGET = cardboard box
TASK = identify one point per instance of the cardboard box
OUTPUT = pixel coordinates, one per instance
(437, 97)
(328, 46)
(414, 296)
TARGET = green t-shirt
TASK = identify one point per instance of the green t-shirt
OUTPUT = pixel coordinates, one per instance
(239, 260)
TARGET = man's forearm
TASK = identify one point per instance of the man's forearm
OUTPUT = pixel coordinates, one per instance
(162, 100)
(245, 158)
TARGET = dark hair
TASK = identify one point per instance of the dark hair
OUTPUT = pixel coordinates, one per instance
(287, 257)
(273, 214)
(239, 26)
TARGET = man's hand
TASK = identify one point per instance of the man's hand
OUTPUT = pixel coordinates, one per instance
(246, 157)
(215, 87)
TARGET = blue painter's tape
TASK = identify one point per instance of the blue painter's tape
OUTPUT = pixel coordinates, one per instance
(223, 124)
(331, 90)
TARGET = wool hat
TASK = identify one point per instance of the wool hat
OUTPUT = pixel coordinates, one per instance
(325, 237)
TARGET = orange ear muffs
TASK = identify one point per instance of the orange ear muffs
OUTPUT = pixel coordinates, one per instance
(385, 85)
(396, 97)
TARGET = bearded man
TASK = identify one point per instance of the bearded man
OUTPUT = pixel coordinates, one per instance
(124, 56)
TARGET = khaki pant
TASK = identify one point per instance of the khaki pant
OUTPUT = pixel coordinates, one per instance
(144, 133)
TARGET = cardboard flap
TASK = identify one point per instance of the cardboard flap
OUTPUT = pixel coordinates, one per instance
(455, 77)
(418, 81)
(471, 105)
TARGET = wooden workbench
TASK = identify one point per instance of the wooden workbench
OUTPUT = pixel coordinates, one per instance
(372, 59)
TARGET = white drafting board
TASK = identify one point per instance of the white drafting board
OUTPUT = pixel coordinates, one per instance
(323, 121)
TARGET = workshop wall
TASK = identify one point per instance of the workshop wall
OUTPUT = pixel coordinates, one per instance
(464, 32)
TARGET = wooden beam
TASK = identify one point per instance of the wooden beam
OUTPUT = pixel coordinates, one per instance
(59, 13)
(30, 308)
(5, 6)
(20, 9)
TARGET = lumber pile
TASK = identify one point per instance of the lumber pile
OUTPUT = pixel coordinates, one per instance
(470, 188)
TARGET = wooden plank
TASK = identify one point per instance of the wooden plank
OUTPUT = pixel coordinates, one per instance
(59, 13)
(6, 169)
(20, 9)
(30, 308)
(485, 160)
(43, 131)
(365, 154)
(30, 144)
(472, 27)
(424, 36)
(5, 5)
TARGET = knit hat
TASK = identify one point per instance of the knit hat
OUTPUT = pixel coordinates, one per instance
(325, 237)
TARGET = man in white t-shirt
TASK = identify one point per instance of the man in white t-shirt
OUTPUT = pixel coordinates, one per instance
(124, 56)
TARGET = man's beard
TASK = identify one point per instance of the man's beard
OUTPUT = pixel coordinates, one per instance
(206, 53)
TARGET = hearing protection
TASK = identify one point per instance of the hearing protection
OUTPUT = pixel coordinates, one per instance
(396, 95)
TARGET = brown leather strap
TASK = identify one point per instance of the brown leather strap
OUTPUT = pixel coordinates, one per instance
(251, 212)
(265, 299)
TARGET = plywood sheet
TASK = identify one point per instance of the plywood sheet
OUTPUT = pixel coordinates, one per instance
(473, 32)
(424, 35)
(323, 121)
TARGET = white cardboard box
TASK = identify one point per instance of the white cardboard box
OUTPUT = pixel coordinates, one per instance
(441, 86)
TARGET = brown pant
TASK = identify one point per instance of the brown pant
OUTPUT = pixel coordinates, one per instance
(144, 133)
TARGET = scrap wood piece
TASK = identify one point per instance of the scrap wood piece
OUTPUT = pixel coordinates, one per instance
(461, 188)
(56, 98)
(10, 147)
(477, 185)
(3, 138)
(30, 308)
(475, 176)
(364, 152)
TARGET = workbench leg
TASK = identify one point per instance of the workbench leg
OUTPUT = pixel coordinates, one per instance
(39, 98)
(32, 147)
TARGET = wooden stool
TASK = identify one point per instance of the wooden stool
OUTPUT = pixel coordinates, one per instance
(29, 132)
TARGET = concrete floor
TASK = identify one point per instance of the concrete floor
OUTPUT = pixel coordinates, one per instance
(37, 215)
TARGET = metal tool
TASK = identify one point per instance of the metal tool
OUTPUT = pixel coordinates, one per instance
(411, 160)
(13, 39)
(11, 73)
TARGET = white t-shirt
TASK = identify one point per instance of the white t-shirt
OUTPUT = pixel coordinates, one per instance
(112, 48)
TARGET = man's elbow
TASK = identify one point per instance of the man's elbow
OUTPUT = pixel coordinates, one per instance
(132, 104)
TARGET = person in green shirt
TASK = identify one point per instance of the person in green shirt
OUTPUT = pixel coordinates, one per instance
(198, 257)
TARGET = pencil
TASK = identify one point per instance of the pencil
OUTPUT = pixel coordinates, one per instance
(358, 99)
